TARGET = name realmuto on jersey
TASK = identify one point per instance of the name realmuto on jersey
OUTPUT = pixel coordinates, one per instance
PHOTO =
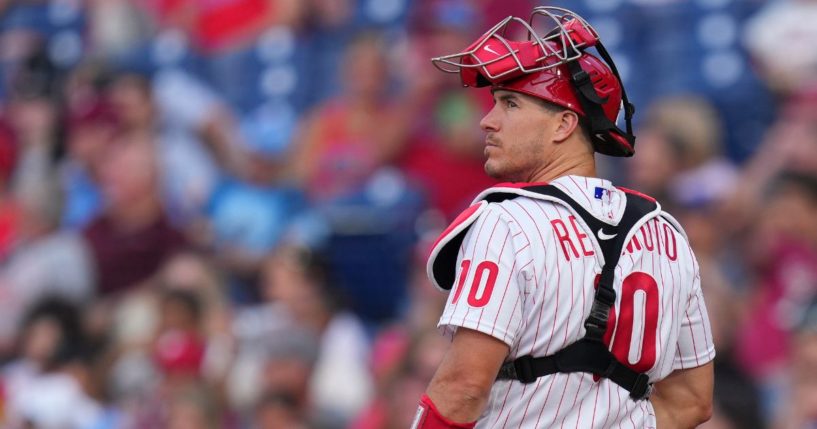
(512, 282)
(653, 236)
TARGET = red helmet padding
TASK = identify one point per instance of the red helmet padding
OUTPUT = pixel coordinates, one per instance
(554, 85)
(579, 33)
(499, 60)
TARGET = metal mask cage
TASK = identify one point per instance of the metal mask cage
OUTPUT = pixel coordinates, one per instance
(567, 35)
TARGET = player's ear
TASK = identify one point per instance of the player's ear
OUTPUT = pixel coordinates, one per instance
(567, 122)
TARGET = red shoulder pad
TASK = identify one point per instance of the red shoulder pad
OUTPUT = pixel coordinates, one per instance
(441, 266)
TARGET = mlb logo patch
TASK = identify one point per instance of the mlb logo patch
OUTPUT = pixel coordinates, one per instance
(599, 192)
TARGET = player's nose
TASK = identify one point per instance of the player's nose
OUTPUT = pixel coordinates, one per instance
(490, 121)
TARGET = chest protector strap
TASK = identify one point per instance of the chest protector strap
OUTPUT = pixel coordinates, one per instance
(590, 354)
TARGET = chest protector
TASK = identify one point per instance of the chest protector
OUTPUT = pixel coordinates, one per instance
(589, 354)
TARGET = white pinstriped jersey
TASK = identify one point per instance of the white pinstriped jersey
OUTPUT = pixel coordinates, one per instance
(525, 274)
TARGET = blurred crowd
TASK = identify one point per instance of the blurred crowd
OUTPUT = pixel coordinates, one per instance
(215, 214)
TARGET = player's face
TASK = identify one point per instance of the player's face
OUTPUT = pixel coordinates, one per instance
(517, 129)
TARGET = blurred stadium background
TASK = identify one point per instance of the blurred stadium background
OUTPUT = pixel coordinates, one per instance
(214, 214)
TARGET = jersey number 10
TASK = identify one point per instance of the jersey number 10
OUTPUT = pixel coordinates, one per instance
(639, 303)
(485, 268)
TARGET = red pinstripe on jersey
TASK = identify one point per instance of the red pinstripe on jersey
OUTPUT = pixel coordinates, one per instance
(542, 293)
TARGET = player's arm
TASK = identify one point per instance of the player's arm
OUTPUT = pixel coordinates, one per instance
(684, 398)
(484, 329)
(462, 384)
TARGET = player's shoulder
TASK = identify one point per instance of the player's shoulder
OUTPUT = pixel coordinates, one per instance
(673, 233)
(668, 219)
(444, 251)
(498, 214)
(658, 212)
(519, 200)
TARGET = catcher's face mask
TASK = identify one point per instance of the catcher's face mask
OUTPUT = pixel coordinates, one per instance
(552, 65)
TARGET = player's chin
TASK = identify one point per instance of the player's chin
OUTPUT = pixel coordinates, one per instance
(493, 169)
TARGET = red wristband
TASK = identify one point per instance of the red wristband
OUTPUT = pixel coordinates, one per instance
(428, 417)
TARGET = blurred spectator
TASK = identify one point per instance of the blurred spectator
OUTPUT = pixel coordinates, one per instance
(339, 148)
(44, 260)
(784, 250)
(192, 131)
(789, 144)
(445, 151)
(50, 385)
(783, 41)
(179, 393)
(448, 159)
(132, 237)
(340, 385)
(277, 359)
(340, 159)
(175, 335)
(680, 156)
(196, 274)
(706, 175)
(251, 211)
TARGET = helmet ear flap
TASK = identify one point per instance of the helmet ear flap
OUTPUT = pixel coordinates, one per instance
(613, 143)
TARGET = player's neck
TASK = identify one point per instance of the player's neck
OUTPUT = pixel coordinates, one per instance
(568, 163)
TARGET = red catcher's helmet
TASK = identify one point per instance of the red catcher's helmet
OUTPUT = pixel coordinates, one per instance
(554, 67)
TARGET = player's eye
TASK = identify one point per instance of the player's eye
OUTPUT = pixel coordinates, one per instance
(510, 103)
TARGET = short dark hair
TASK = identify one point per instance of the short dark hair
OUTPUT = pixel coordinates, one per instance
(584, 123)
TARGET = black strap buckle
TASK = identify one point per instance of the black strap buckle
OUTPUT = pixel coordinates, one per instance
(523, 369)
(594, 330)
(606, 294)
(641, 388)
(581, 77)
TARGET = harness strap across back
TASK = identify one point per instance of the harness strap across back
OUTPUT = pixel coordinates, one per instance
(590, 354)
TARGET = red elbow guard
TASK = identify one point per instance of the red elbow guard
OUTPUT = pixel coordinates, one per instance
(428, 417)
